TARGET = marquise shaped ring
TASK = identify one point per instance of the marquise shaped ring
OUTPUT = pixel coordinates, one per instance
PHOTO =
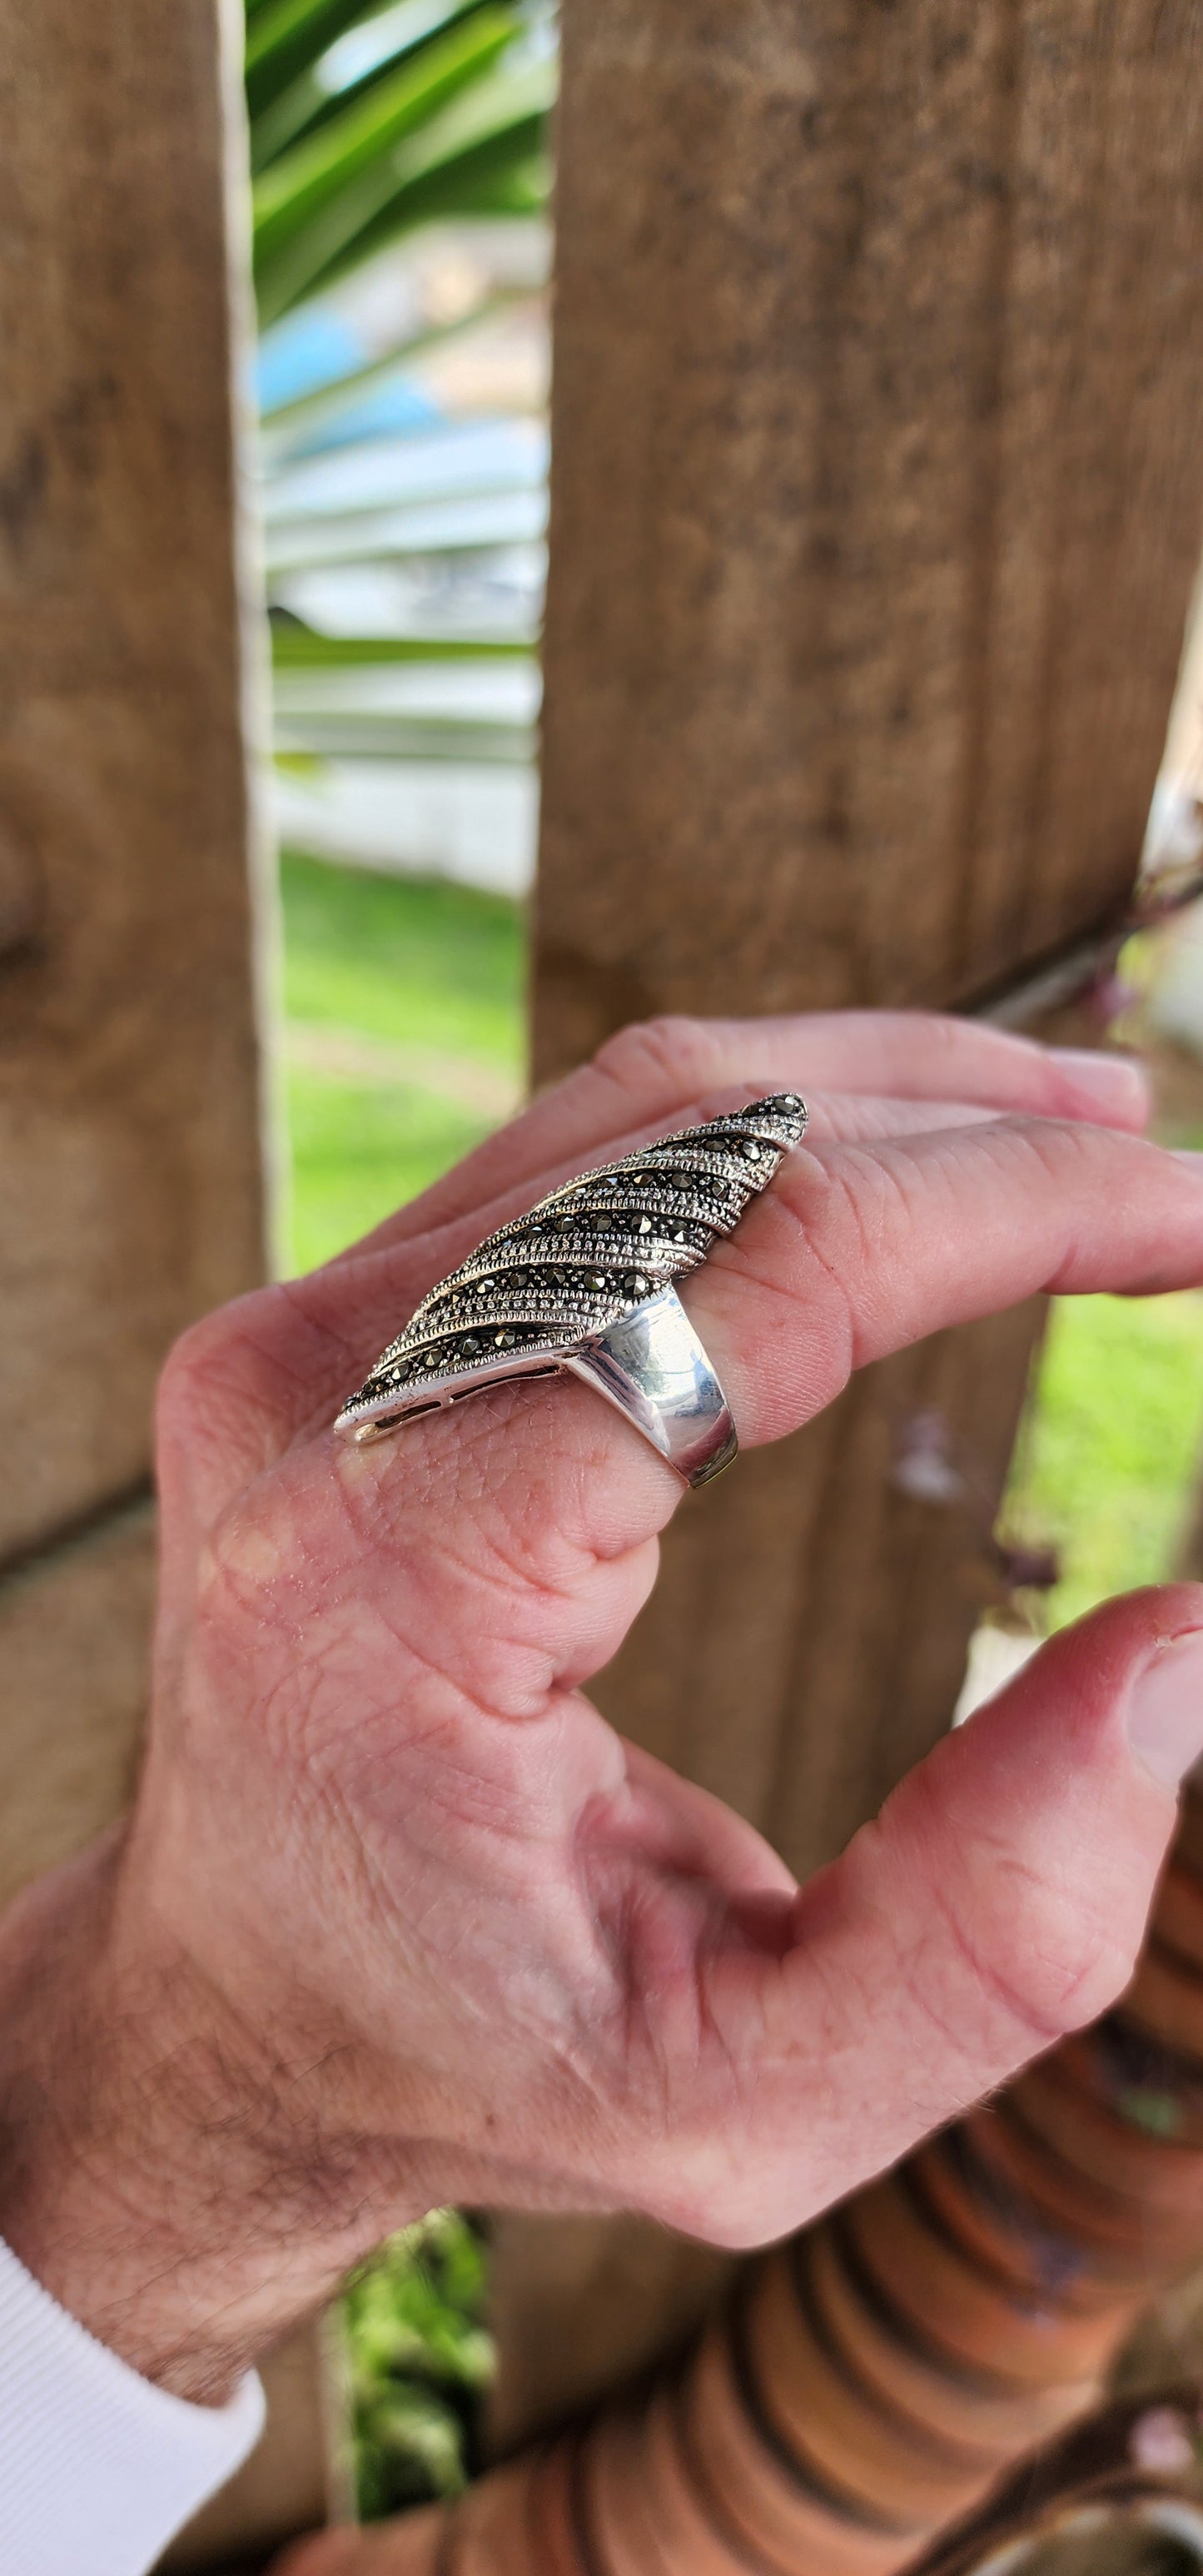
(584, 1283)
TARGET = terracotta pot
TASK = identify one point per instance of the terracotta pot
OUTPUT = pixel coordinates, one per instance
(1144, 2084)
(629, 2527)
(1178, 1913)
(677, 2493)
(1165, 1999)
(416, 2552)
(489, 2530)
(963, 2310)
(1165, 2178)
(939, 2394)
(1123, 2254)
(783, 2518)
(823, 2415)
(409, 2545)
(555, 2541)
(997, 2227)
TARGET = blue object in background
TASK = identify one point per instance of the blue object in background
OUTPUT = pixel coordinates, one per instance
(316, 348)
(304, 352)
(386, 411)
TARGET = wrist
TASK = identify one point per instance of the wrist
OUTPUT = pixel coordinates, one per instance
(147, 2177)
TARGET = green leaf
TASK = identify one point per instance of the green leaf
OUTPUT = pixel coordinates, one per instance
(508, 176)
(483, 154)
(371, 734)
(513, 95)
(284, 36)
(466, 531)
(281, 424)
(330, 183)
(300, 648)
(327, 83)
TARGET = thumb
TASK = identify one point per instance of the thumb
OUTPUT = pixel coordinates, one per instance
(997, 1902)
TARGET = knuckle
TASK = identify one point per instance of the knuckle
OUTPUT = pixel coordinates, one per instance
(670, 1047)
(214, 1380)
(1048, 1956)
(188, 1374)
(1008, 1931)
(1083, 1932)
(832, 1243)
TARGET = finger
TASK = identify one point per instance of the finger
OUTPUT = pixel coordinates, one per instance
(363, 1303)
(868, 1118)
(296, 1353)
(997, 1903)
(657, 1068)
(854, 1252)
(370, 1301)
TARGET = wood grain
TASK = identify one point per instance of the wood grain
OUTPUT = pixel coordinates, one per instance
(876, 498)
(129, 1129)
(74, 1635)
(130, 1147)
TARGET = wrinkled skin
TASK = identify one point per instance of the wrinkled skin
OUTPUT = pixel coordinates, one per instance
(397, 1917)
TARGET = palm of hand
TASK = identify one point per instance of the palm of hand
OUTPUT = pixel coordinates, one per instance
(484, 1904)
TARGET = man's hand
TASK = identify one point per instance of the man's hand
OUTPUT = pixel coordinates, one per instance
(397, 1918)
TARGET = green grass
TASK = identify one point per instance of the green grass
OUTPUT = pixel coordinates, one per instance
(1107, 1466)
(358, 1152)
(398, 958)
(428, 981)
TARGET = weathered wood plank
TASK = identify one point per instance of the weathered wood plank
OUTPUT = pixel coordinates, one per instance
(74, 1640)
(129, 1144)
(866, 377)
(284, 2485)
(130, 1156)
(877, 485)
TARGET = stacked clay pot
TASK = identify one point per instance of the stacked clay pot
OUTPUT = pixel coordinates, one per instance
(871, 2378)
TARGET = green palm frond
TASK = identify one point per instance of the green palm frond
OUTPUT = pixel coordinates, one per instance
(289, 103)
(314, 204)
(297, 648)
(366, 123)
(481, 152)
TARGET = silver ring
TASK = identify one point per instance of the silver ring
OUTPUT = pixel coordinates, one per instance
(583, 1283)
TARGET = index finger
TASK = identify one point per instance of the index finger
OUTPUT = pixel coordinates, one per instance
(658, 1067)
(856, 1251)
(853, 1252)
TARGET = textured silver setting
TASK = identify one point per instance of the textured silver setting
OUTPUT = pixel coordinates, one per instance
(553, 1283)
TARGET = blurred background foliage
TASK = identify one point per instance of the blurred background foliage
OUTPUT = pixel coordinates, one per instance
(401, 178)
(403, 534)
(365, 122)
(418, 2356)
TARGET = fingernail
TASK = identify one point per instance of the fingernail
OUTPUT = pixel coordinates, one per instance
(1188, 1155)
(1165, 1713)
(1113, 1082)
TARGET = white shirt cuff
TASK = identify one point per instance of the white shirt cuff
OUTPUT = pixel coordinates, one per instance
(99, 2468)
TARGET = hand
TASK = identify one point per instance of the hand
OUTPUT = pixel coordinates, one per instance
(397, 1918)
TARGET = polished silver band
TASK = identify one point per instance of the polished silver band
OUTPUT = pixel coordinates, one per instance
(653, 1366)
(583, 1283)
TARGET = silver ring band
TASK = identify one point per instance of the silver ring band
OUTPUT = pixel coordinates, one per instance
(654, 1367)
(583, 1283)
